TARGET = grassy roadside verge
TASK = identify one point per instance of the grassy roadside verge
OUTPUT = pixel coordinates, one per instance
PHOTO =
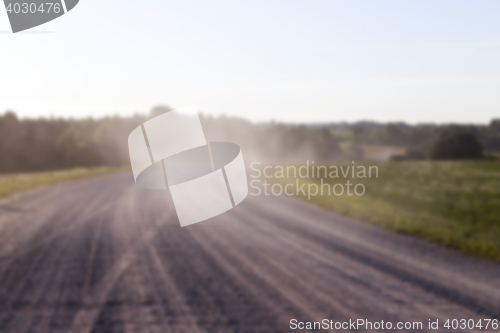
(455, 204)
(14, 183)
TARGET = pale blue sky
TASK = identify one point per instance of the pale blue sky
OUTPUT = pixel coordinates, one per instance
(296, 61)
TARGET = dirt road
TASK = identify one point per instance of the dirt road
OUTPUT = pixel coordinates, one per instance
(102, 255)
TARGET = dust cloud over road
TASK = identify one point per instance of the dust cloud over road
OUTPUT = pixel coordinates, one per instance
(102, 255)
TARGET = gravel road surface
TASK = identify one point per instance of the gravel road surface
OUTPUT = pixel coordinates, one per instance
(102, 255)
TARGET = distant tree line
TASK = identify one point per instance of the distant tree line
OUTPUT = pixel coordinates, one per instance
(49, 144)
(402, 134)
(454, 143)
(427, 141)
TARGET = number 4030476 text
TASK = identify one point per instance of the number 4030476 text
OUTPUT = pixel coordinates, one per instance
(25, 8)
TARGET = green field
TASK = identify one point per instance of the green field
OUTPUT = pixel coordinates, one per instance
(455, 204)
(14, 183)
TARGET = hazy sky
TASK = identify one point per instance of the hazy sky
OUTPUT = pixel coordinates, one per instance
(311, 61)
